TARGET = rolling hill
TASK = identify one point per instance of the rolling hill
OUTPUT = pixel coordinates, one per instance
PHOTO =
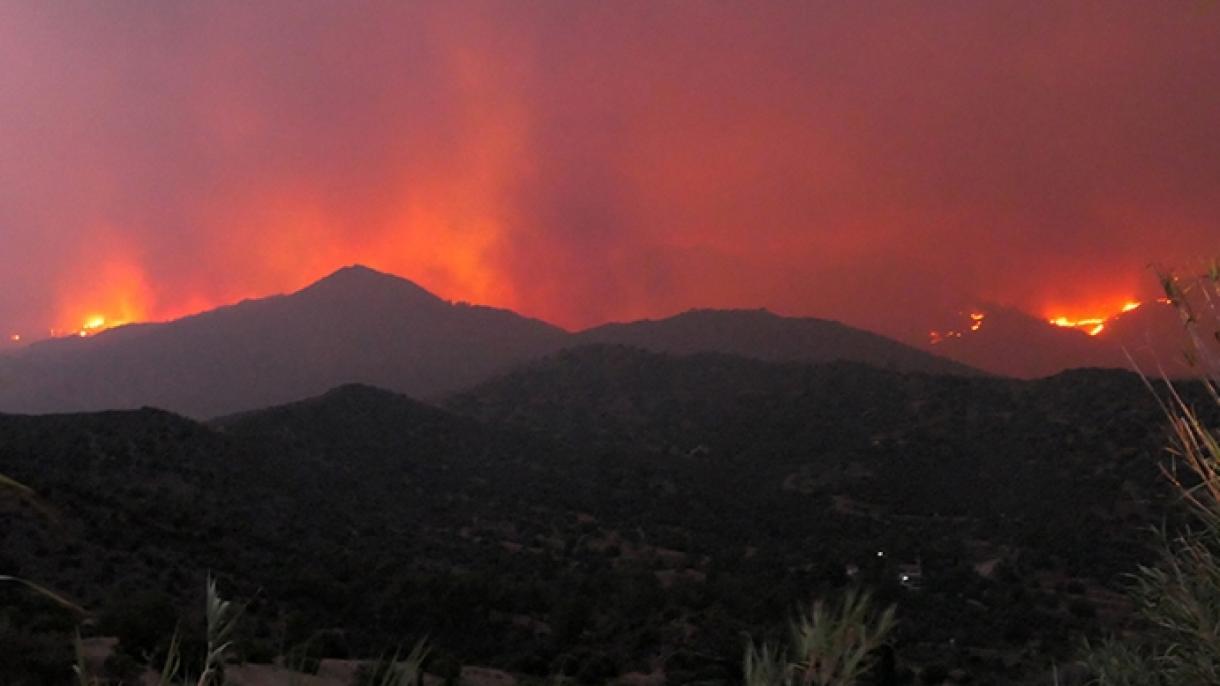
(606, 509)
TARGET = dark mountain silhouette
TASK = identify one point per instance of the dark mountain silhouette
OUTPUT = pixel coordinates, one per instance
(363, 326)
(762, 335)
(1012, 343)
(1154, 338)
(588, 508)
(357, 325)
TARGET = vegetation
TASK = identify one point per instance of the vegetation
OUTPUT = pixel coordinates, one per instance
(829, 648)
(604, 512)
(1178, 598)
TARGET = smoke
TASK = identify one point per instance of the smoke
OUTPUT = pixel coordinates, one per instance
(871, 162)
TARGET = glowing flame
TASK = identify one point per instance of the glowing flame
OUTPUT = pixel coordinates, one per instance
(111, 293)
(90, 326)
(1090, 325)
(975, 323)
(16, 338)
(1094, 325)
(96, 324)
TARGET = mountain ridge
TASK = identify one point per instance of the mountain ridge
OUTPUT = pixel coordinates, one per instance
(764, 335)
(359, 325)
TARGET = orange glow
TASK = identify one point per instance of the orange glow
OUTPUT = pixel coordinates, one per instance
(975, 320)
(1089, 325)
(98, 323)
(935, 337)
(16, 338)
(1094, 324)
(113, 293)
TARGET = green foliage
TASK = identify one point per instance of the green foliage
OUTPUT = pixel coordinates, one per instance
(765, 665)
(829, 646)
(222, 619)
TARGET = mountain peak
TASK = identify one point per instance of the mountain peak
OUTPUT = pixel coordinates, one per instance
(357, 280)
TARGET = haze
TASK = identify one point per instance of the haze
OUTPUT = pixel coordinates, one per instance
(580, 162)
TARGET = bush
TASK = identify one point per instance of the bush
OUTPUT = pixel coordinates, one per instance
(830, 647)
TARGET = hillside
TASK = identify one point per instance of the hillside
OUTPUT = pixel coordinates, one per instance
(762, 335)
(1012, 343)
(355, 326)
(608, 510)
(362, 326)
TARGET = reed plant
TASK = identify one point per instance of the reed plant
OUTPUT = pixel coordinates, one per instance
(832, 645)
(1178, 597)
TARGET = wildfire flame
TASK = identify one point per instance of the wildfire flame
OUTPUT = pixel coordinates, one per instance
(1090, 325)
(112, 292)
(96, 324)
(975, 322)
(1094, 325)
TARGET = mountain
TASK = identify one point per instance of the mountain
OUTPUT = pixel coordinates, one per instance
(362, 326)
(355, 326)
(1154, 337)
(762, 335)
(1009, 342)
(605, 510)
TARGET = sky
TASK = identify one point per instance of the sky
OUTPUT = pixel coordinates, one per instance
(872, 162)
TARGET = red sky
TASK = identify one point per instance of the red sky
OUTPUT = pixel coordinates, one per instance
(866, 161)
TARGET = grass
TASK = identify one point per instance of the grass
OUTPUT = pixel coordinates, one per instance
(1178, 599)
(830, 646)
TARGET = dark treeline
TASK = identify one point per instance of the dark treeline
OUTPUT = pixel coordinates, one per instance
(603, 511)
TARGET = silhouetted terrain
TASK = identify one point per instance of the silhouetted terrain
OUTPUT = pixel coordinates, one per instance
(763, 335)
(1012, 343)
(362, 326)
(608, 510)
(356, 325)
